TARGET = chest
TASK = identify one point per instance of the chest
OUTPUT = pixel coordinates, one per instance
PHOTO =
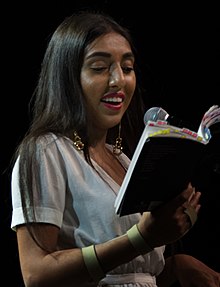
(113, 168)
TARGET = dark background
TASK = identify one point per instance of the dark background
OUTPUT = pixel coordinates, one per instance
(180, 59)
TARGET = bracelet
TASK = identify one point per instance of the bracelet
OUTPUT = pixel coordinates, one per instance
(92, 263)
(138, 241)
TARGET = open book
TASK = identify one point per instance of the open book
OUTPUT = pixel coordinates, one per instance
(166, 159)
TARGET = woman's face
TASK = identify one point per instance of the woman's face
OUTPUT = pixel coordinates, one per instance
(108, 79)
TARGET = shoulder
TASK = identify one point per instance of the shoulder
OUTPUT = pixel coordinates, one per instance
(53, 141)
(55, 148)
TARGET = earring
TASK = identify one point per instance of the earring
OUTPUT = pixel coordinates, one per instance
(77, 142)
(117, 148)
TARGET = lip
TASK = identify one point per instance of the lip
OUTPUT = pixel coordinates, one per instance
(113, 95)
(113, 107)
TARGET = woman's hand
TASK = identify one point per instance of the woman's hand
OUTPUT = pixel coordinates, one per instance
(170, 222)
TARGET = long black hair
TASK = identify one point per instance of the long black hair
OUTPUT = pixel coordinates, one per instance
(58, 103)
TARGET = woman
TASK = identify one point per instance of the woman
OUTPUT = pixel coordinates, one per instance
(70, 166)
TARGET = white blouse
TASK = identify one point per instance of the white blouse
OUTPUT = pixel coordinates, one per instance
(70, 194)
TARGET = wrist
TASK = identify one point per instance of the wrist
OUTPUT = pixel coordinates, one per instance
(92, 263)
(138, 241)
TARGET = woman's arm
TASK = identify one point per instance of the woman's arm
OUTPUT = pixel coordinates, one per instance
(67, 268)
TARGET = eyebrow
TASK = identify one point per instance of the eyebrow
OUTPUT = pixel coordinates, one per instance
(108, 55)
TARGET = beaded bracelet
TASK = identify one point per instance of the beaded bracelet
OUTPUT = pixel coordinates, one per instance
(92, 263)
(137, 240)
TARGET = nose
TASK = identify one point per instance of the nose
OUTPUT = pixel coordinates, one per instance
(117, 77)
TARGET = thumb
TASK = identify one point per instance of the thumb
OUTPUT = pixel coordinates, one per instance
(184, 196)
(181, 199)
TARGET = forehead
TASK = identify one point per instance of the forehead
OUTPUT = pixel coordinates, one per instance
(111, 42)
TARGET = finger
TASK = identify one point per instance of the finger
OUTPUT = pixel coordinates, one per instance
(185, 196)
(194, 201)
(192, 214)
(192, 194)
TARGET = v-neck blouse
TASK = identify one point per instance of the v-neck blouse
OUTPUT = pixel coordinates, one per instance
(72, 195)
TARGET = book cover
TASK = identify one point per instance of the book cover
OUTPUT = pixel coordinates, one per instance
(165, 160)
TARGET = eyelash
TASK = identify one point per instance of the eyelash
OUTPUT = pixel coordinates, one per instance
(126, 70)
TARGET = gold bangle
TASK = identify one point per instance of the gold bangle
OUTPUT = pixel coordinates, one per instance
(138, 241)
(92, 263)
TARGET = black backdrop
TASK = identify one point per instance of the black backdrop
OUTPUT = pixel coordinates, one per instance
(180, 59)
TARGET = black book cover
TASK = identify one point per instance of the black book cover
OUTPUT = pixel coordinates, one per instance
(163, 169)
(166, 159)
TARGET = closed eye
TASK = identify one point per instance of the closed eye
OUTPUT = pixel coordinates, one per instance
(127, 70)
(99, 69)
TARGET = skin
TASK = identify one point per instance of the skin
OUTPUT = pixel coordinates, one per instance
(107, 70)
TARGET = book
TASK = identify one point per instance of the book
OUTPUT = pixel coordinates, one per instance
(165, 160)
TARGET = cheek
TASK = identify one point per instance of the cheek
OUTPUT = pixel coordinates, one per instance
(133, 85)
(87, 85)
(92, 87)
(130, 88)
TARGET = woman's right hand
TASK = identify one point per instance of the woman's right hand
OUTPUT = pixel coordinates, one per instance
(170, 222)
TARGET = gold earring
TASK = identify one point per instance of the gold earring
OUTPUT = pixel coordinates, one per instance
(77, 142)
(117, 148)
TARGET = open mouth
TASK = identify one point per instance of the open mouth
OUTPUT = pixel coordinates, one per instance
(112, 100)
